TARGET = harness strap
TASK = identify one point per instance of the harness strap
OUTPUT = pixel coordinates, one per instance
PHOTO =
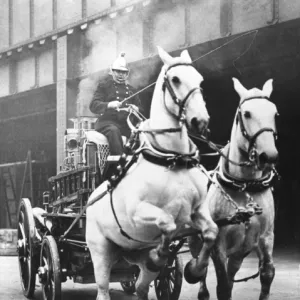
(237, 184)
(119, 225)
(186, 161)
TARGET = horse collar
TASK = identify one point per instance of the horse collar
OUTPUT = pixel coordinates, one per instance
(244, 185)
(171, 159)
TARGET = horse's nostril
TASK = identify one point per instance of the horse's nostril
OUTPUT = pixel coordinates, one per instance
(194, 122)
(199, 124)
(264, 158)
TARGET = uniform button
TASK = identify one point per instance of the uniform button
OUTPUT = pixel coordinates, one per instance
(127, 87)
(118, 97)
(117, 92)
(126, 92)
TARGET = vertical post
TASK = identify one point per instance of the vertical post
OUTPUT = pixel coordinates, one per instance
(10, 22)
(54, 13)
(31, 19)
(61, 99)
(83, 9)
(187, 23)
(6, 202)
(29, 161)
(226, 18)
(24, 178)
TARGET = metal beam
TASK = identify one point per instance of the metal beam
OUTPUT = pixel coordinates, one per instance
(63, 30)
(52, 110)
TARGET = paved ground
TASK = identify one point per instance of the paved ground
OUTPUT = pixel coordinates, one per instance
(286, 285)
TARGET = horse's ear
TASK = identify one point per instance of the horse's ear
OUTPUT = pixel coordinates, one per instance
(239, 88)
(268, 87)
(185, 55)
(165, 57)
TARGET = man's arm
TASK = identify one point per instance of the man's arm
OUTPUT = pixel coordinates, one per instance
(98, 104)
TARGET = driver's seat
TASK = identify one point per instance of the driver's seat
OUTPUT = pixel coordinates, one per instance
(96, 139)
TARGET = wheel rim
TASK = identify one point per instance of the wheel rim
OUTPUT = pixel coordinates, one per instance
(128, 284)
(49, 270)
(165, 283)
(24, 247)
(48, 284)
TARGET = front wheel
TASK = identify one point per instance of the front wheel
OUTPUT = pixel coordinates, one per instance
(49, 270)
(169, 281)
(28, 261)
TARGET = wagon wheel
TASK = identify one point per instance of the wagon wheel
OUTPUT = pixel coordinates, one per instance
(129, 286)
(169, 281)
(49, 270)
(28, 261)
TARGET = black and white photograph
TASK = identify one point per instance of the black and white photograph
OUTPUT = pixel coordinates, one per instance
(150, 149)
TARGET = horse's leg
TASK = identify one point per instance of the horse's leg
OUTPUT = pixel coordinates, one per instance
(195, 245)
(196, 269)
(104, 254)
(267, 269)
(219, 258)
(150, 214)
(233, 265)
(145, 277)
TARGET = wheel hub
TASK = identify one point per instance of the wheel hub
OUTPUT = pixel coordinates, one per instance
(43, 274)
(21, 247)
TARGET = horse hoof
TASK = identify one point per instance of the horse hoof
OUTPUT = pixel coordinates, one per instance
(203, 295)
(189, 277)
(152, 267)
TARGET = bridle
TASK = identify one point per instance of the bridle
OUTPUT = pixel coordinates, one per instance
(252, 152)
(181, 117)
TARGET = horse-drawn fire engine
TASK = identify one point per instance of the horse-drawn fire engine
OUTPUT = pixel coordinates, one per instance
(51, 240)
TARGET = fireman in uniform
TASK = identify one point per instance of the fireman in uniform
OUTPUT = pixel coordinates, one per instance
(106, 102)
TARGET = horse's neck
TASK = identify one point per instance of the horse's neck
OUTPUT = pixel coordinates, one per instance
(160, 118)
(235, 154)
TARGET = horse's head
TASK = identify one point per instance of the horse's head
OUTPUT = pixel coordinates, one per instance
(255, 124)
(183, 98)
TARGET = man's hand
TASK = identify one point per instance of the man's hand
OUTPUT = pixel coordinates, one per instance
(134, 107)
(114, 104)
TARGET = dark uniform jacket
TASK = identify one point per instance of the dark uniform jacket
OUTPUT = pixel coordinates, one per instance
(106, 92)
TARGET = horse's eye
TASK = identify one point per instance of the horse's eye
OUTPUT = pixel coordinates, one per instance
(247, 114)
(175, 80)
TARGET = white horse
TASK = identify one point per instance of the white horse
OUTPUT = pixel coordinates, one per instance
(245, 174)
(161, 192)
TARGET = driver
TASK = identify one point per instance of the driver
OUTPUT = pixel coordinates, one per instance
(106, 101)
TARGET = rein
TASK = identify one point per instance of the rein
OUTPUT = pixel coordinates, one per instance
(218, 149)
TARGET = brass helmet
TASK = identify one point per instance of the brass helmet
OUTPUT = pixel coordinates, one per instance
(119, 69)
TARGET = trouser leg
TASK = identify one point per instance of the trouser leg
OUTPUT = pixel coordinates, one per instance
(114, 137)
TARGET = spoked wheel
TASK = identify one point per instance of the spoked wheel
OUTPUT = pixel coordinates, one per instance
(129, 286)
(169, 281)
(26, 253)
(49, 270)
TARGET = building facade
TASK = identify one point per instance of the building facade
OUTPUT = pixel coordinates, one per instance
(49, 50)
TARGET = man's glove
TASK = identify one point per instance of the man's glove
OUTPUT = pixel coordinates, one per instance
(135, 107)
(114, 104)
